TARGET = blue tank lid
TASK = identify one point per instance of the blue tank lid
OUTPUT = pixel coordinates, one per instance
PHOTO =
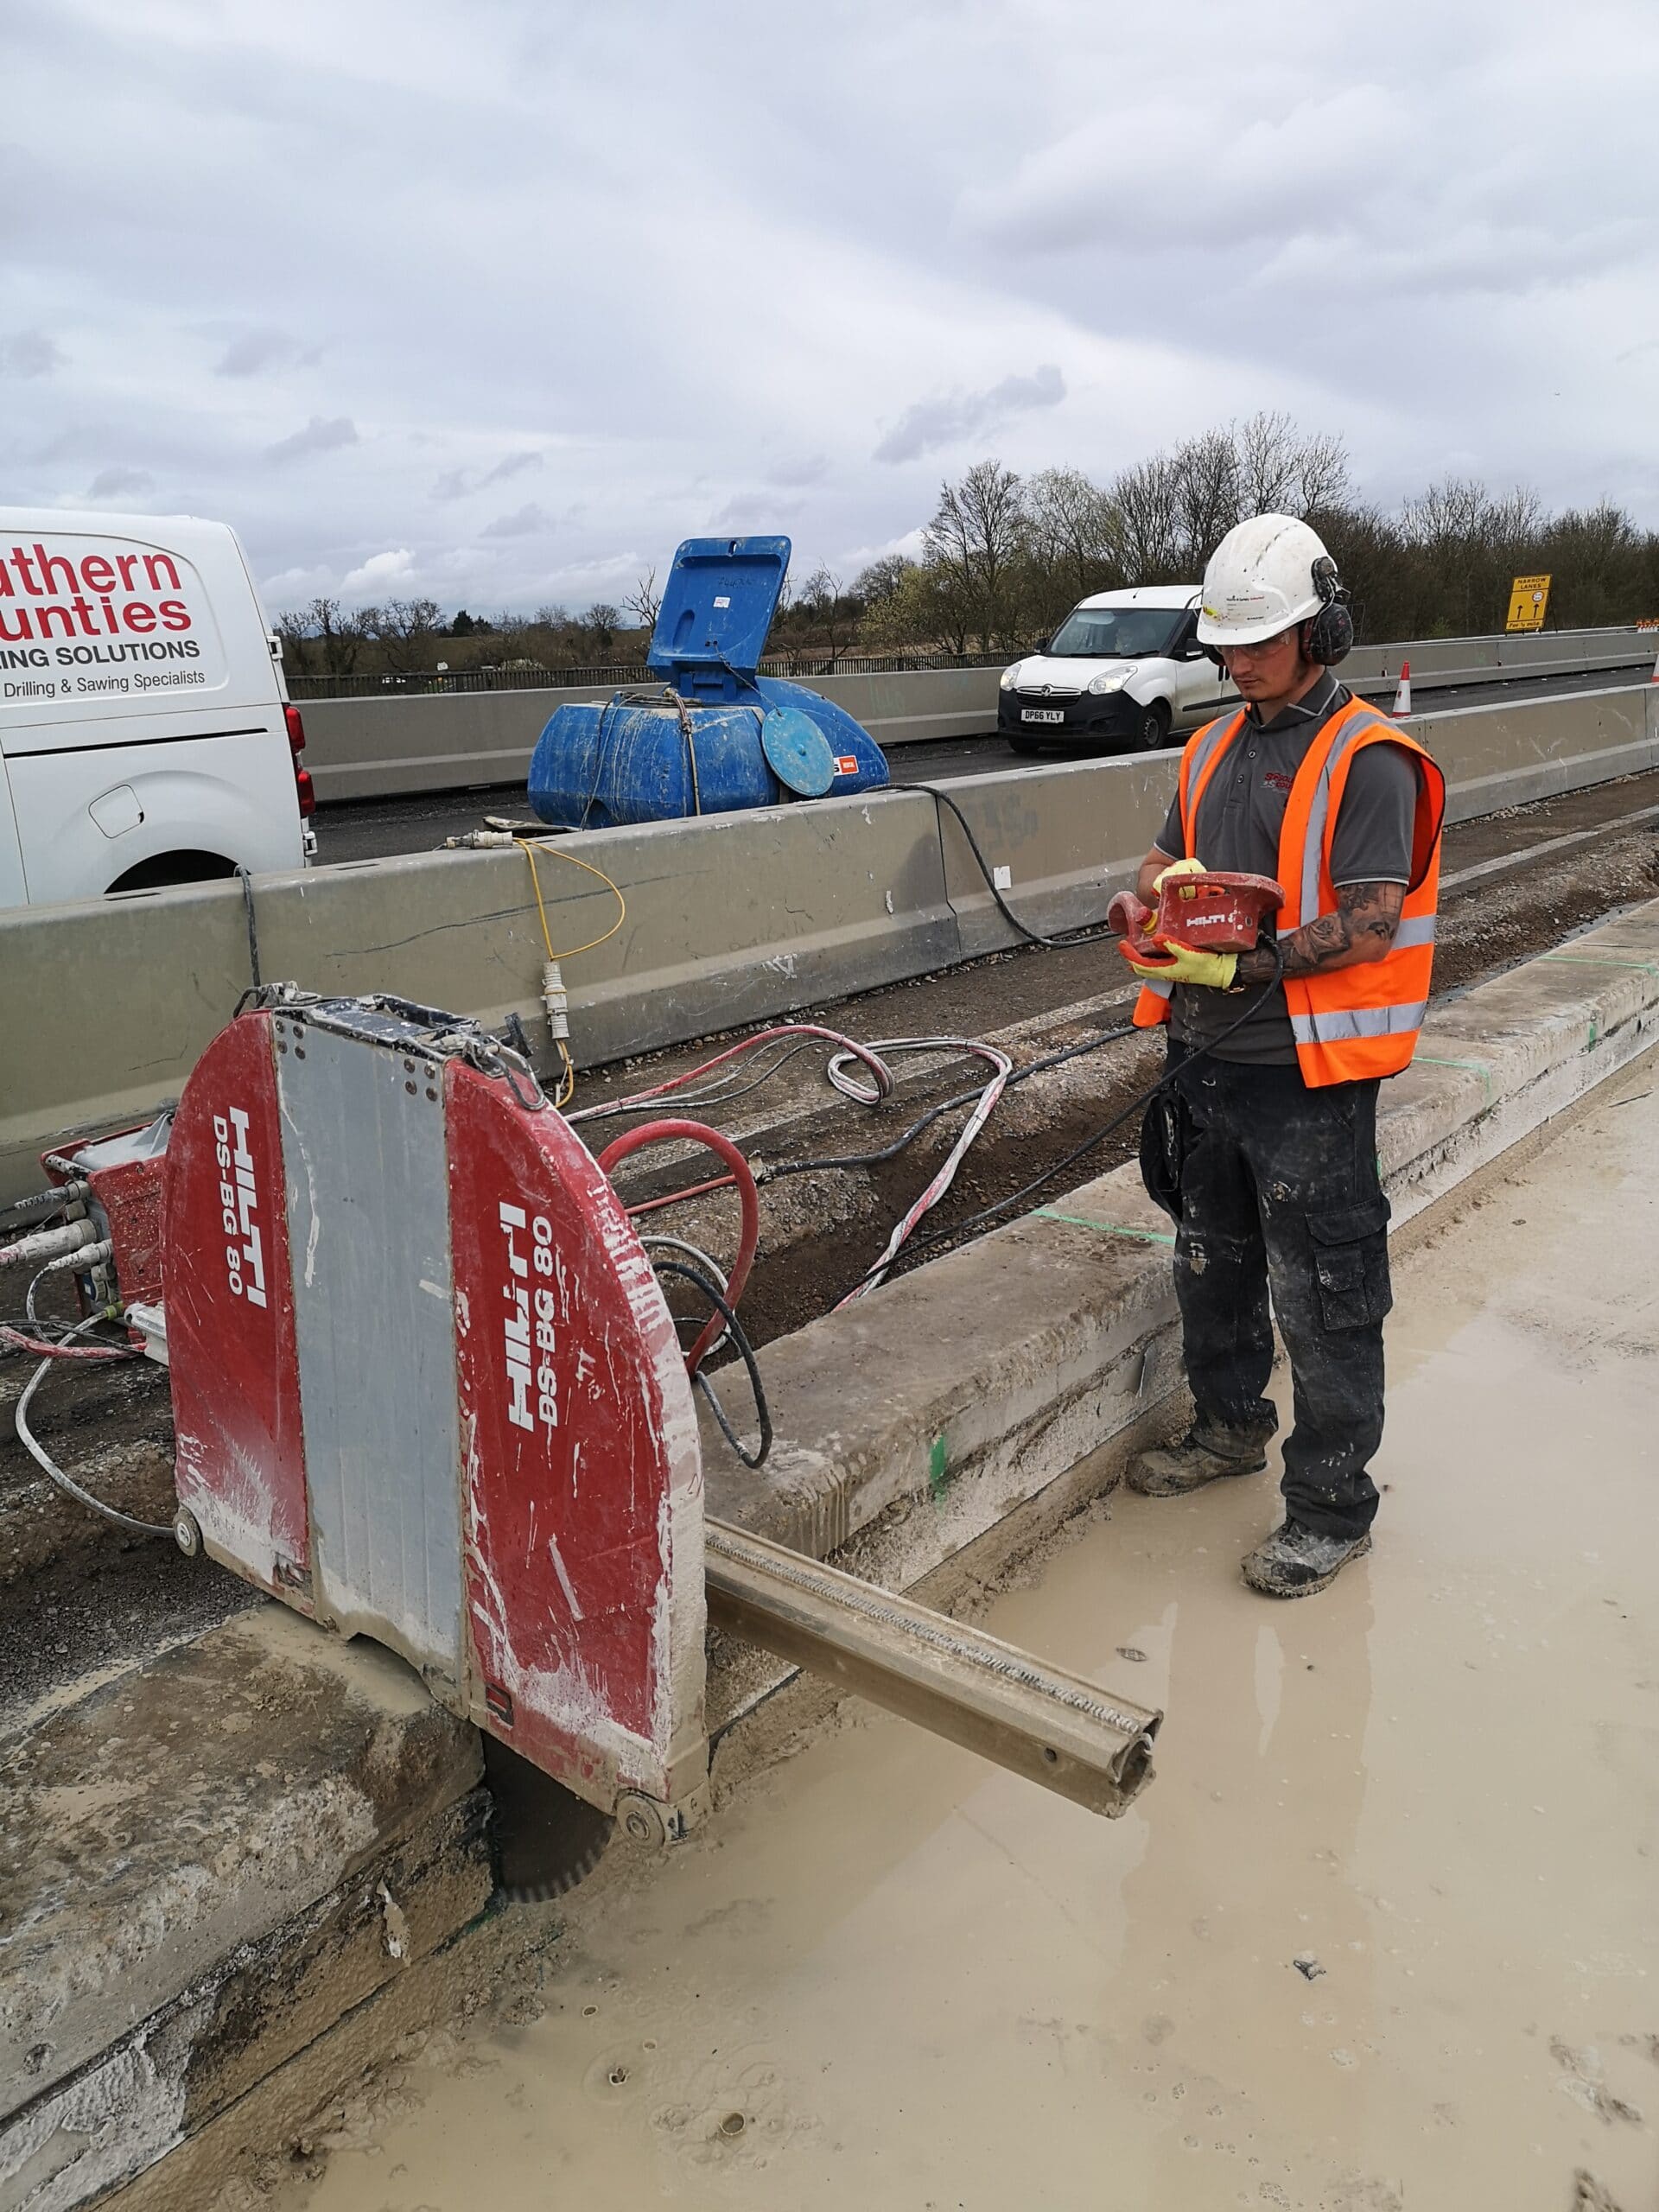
(717, 607)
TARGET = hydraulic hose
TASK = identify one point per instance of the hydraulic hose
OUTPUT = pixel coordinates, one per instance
(1082, 936)
(673, 1131)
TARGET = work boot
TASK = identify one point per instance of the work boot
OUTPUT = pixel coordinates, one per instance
(1197, 1458)
(1295, 1561)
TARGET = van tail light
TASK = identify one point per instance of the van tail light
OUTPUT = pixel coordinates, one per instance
(303, 785)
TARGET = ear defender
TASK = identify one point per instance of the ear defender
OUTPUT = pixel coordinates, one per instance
(1330, 635)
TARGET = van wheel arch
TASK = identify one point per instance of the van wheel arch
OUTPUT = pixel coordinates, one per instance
(162, 870)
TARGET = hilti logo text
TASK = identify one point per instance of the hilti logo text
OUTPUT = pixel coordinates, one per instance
(238, 1200)
(528, 1325)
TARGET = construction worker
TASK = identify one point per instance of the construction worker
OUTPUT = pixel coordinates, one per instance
(1264, 1148)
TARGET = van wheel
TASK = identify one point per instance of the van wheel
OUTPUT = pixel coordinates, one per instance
(164, 869)
(1151, 728)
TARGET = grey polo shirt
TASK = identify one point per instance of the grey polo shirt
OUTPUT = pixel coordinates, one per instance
(1240, 817)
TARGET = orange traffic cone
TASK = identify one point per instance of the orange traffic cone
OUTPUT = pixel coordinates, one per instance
(1402, 696)
(1653, 678)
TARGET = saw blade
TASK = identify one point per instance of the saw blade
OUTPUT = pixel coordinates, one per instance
(547, 1839)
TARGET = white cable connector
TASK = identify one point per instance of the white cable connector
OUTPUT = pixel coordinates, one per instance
(480, 840)
(48, 1243)
(556, 1001)
(85, 1256)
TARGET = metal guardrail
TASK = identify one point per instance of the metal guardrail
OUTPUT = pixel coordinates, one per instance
(798, 667)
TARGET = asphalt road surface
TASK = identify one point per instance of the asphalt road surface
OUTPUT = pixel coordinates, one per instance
(363, 829)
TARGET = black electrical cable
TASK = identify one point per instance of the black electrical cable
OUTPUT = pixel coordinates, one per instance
(745, 1352)
(253, 926)
(1084, 936)
(1141, 1100)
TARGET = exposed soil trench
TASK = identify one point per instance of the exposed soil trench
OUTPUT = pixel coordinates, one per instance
(822, 1231)
(80, 1593)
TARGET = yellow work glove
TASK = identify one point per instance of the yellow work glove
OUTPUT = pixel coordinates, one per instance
(1177, 964)
(1178, 868)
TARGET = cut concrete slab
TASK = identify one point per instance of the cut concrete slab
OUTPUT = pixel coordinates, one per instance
(203, 1864)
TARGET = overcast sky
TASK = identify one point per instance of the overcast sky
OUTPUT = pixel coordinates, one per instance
(498, 301)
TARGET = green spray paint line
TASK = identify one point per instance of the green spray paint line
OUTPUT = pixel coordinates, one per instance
(1584, 960)
(1472, 1067)
(1101, 1228)
(936, 1473)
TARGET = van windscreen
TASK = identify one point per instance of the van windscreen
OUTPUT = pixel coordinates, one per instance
(1114, 632)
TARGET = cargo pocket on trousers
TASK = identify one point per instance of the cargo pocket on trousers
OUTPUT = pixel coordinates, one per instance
(1350, 1260)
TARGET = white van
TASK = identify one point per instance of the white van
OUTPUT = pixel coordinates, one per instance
(1123, 671)
(145, 732)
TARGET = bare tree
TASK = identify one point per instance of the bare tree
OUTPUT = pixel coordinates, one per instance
(645, 600)
(874, 586)
(1207, 495)
(1072, 542)
(403, 629)
(975, 543)
(339, 636)
(602, 622)
(823, 602)
(292, 628)
(1144, 503)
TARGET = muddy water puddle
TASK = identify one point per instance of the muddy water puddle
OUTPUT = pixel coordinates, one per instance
(1380, 1935)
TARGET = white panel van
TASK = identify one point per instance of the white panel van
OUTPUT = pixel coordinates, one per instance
(1123, 671)
(146, 736)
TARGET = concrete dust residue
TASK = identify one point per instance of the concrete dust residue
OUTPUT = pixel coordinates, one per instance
(1381, 1936)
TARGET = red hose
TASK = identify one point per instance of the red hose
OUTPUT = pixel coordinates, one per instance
(748, 1199)
(678, 1197)
(38, 1351)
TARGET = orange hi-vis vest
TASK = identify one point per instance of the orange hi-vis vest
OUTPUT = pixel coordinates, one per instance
(1356, 1022)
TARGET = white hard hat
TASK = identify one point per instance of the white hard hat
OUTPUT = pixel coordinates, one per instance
(1261, 579)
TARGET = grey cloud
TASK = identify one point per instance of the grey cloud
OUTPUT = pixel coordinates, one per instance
(118, 483)
(756, 513)
(949, 420)
(461, 483)
(254, 350)
(29, 354)
(794, 474)
(317, 436)
(520, 523)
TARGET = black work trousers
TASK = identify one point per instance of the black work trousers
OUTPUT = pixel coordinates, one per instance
(1276, 1188)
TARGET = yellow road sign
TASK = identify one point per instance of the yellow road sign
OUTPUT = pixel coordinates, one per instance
(1528, 597)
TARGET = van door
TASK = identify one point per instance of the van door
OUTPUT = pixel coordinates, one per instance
(1199, 684)
(14, 892)
(141, 721)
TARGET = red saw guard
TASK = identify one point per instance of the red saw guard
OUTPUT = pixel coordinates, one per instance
(427, 1390)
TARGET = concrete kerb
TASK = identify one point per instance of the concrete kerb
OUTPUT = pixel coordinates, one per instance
(988, 1375)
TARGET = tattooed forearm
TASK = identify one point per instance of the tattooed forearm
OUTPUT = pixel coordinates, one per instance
(1363, 928)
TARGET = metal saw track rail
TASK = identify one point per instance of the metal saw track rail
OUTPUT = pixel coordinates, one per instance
(1051, 1726)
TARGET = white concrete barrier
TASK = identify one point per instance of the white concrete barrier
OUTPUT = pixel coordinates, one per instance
(378, 747)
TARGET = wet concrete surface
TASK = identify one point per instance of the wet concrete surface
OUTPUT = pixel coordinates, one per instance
(361, 829)
(1379, 1938)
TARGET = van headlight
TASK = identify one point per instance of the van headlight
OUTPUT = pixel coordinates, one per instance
(1103, 684)
(1011, 676)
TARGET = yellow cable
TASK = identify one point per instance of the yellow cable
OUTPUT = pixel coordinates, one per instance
(567, 1076)
(530, 852)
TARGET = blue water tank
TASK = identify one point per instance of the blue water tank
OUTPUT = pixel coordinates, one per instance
(695, 746)
(598, 766)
